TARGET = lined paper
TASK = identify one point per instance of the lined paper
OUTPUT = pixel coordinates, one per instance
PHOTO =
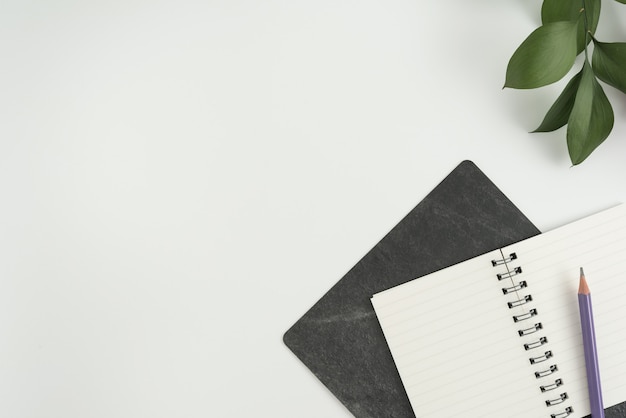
(460, 353)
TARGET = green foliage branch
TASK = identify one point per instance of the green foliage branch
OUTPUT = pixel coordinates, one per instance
(548, 54)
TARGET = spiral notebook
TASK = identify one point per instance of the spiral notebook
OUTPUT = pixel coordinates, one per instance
(499, 335)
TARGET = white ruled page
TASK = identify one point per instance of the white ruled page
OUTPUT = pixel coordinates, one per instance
(459, 351)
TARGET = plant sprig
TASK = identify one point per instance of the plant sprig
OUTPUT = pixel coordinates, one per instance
(549, 53)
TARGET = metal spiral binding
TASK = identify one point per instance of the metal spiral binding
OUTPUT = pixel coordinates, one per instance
(529, 314)
(563, 414)
(530, 330)
(540, 359)
(551, 386)
(562, 397)
(504, 260)
(546, 372)
(521, 301)
(509, 274)
(541, 341)
(519, 286)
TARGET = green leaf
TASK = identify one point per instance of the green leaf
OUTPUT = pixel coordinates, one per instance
(609, 63)
(621, 1)
(544, 57)
(591, 119)
(560, 111)
(560, 10)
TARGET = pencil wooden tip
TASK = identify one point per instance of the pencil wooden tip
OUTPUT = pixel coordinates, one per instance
(583, 287)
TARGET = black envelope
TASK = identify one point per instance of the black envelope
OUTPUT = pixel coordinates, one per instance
(340, 339)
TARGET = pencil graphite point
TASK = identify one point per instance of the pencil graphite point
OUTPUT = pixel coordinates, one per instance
(583, 287)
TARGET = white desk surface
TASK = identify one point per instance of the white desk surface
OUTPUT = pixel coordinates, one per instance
(181, 180)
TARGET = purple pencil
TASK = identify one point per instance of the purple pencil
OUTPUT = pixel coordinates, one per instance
(591, 351)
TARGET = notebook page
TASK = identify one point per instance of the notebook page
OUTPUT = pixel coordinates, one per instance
(455, 345)
(459, 353)
(551, 264)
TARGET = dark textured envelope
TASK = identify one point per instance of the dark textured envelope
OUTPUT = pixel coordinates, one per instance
(340, 339)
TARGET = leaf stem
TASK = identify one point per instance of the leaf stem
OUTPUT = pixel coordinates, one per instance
(586, 24)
